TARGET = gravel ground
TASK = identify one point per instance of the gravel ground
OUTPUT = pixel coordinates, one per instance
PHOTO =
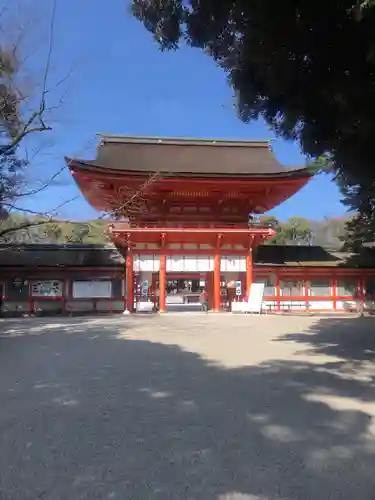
(187, 407)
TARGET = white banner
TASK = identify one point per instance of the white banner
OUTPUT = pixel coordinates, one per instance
(146, 263)
(233, 263)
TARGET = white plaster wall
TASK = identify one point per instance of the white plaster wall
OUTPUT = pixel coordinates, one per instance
(271, 290)
(146, 263)
(189, 263)
(323, 305)
(175, 263)
(346, 304)
(205, 263)
(233, 263)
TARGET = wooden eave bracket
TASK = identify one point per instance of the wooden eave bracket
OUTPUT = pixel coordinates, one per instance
(163, 240)
(219, 239)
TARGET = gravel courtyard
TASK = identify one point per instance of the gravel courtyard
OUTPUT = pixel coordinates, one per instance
(187, 407)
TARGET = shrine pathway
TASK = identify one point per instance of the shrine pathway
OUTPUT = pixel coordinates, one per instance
(187, 407)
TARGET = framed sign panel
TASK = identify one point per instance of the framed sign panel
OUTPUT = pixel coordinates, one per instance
(92, 289)
(47, 288)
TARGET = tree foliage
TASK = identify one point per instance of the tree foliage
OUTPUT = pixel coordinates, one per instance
(329, 233)
(359, 230)
(359, 198)
(34, 229)
(306, 68)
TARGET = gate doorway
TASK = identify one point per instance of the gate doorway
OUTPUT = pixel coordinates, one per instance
(183, 290)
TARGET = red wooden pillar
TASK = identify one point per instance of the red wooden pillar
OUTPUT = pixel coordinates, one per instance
(154, 286)
(216, 301)
(129, 305)
(249, 270)
(306, 290)
(210, 288)
(278, 294)
(64, 294)
(361, 301)
(334, 293)
(162, 282)
(30, 299)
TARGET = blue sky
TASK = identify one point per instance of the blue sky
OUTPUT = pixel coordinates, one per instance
(119, 82)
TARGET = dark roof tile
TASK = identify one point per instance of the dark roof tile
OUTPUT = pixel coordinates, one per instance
(60, 256)
(180, 156)
(40, 255)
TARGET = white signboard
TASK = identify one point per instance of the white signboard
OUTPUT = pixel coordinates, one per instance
(256, 297)
(92, 289)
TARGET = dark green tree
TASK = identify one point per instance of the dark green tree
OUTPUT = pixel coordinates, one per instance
(360, 229)
(76, 233)
(298, 231)
(359, 197)
(306, 68)
(53, 232)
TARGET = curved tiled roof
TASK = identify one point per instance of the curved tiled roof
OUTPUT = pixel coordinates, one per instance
(182, 157)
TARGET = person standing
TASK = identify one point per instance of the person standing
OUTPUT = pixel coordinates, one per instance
(203, 299)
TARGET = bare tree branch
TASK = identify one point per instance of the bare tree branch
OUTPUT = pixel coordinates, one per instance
(135, 199)
(50, 50)
(44, 186)
(37, 115)
(11, 206)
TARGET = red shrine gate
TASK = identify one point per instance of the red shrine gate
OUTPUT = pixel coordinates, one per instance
(186, 198)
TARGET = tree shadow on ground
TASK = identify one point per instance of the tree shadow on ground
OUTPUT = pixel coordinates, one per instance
(87, 414)
(351, 339)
